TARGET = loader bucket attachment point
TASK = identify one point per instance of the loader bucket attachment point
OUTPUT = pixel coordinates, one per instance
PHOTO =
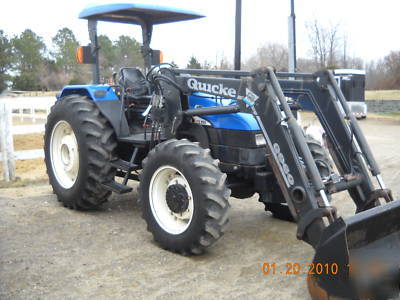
(366, 250)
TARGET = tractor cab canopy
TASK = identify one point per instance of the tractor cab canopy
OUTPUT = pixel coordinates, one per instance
(145, 15)
(138, 14)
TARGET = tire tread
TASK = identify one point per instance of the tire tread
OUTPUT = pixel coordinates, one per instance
(214, 193)
(101, 145)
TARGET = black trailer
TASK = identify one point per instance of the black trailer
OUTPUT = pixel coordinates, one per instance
(352, 84)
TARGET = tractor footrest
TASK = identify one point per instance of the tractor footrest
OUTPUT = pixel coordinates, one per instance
(139, 139)
(117, 187)
(124, 165)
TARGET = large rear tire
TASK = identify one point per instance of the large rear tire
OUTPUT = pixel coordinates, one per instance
(79, 143)
(321, 157)
(184, 198)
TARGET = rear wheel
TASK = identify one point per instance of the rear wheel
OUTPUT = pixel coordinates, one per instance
(79, 143)
(184, 197)
(279, 211)
(321, 157)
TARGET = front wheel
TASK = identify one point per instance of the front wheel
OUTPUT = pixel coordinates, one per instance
(184, 197)
(278, 207)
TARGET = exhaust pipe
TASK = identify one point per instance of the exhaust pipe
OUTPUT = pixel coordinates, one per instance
(359, 257)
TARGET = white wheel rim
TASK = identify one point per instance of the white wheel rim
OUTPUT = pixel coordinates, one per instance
(171, 222)
(64, 154)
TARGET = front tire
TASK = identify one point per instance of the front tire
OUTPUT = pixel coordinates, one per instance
(184, 198)
(79, 143)
(280, 210)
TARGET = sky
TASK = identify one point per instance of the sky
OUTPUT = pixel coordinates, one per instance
(371, 27)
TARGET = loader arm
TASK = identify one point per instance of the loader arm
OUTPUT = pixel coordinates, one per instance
(372, 235)
(346, 142)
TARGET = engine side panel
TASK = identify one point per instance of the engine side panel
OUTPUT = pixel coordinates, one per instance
(238, 121)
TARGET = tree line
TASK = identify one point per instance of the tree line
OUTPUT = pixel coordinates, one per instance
(27, 63)
(329, 49)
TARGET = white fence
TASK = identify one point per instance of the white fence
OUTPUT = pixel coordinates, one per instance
(26, 108)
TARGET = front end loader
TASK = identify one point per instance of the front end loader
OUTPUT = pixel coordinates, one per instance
(193, 137)
(363, 247)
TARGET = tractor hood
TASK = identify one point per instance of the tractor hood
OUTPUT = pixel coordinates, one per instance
(137, 13)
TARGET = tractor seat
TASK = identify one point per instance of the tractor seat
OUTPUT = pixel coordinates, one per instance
(135, 85)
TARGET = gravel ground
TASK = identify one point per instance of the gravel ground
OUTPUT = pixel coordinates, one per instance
(49, 252)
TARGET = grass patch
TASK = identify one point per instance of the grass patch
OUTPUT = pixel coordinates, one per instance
(382, 95)
(28, 141)
(393, 114)
(18, 182)
(39, 94)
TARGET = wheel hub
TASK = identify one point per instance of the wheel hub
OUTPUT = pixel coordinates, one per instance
(171, 199)
(68, 153)
(177, 198)
(64, 154)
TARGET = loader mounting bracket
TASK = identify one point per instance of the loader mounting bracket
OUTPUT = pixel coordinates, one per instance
(311, 216)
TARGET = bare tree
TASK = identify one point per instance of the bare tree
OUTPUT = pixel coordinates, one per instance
(325, 43)
(222, 63)
(334, 44)
(385, 73)
(354, 62)
(376, 74)
(392, 66)
(206, 65)
(270, 54)
(345, 46)
(306, 65)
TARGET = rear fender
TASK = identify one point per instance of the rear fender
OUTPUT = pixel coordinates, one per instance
(106, 100)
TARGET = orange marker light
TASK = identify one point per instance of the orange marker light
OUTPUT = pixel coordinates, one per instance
(161, 57)
(79, 55)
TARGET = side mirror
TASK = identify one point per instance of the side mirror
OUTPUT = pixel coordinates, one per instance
(84, 55)
(156, 57)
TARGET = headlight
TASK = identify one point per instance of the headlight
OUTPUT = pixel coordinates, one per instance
(260, 140)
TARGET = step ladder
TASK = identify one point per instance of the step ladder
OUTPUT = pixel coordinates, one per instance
(124, 166)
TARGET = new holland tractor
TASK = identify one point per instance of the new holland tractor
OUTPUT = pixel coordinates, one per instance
(192, 138)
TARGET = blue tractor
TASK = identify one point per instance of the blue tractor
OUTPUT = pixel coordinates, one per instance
(193, 138)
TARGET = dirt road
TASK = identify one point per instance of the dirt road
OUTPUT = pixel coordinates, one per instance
(49, 252)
